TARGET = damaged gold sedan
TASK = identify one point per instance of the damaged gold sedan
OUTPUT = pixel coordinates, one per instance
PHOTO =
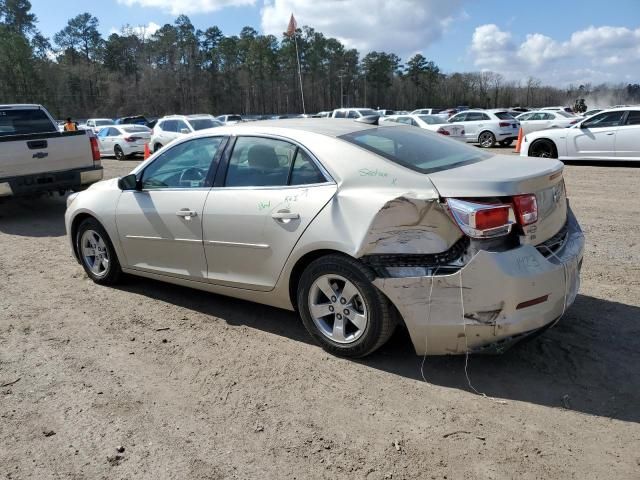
(360, 228)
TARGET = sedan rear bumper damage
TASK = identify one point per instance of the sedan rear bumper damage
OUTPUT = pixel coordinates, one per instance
(495, 300)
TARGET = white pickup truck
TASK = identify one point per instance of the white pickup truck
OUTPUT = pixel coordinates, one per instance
(35, 157)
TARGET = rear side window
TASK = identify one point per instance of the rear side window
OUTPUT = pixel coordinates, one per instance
(20, 122)
(304, 171)
(504, 116)
(260, 162)
(170, 126)
(416, 149)
(202, 123)
(633, 118)
(340, 114)
(461, 117)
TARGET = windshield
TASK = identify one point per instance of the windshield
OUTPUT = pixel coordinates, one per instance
(367, 111)
(102, 123)
(136, 129)
(432, 119)
(202, 123)
(19, 122)
(414, 148)
(504, 116)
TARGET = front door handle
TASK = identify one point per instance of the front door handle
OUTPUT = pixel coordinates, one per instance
(186, 213)
(611, 133)
(285, 215)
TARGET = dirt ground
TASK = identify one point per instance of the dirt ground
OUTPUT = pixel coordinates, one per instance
(197, 386)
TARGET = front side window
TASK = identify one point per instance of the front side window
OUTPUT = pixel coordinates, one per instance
(415, 149)
(260, 162)
(180, 126)
(525, 116)
(352, 114)
(185, 165)
(113, 132)
(103, 133)
(461, 117)
(607, 119)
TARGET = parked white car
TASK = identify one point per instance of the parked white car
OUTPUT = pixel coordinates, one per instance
(610, 135)
(487, 127)
(97, 124)
(174, 126)
(123, 141)
(385, 113)
(559, 109)
(353, 112)
(430, 111)
(541, 120)
(229, 119)
(435, 123)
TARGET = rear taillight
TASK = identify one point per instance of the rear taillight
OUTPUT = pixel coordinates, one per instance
(481, 220)
(131, 139)
(526, 209)
(95, 150)
(442, 131)
(505, 124)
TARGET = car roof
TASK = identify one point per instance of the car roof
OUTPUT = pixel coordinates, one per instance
(329, 127)
(20, 105)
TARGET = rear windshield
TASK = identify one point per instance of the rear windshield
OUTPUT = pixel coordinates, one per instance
(432, 119)
(504, 116)
(137, 129)
(19, 122)
(102, 123)
(365, 112)
(419, 150)
(202, 123)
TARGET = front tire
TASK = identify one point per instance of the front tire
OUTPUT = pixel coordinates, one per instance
(543, 148)
(487, 139)
(96, 253)
(341, 309)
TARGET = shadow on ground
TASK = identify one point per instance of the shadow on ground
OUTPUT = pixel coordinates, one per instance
(587, 363)
(33, 216)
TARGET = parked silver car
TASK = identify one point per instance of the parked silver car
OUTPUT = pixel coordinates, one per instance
(359, 228)
(487, 127)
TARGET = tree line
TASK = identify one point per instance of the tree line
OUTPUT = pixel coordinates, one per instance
(181, 69)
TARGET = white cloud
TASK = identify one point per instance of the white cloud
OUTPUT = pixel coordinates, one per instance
(142, 31)
(595, 54)
(399, 26)
(177, 7)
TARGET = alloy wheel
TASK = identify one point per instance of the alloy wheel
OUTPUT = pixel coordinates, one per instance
(95, 254)
(338, 309)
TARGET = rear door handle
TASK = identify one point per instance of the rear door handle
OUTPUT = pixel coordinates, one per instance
(186, 213)
(285, 215)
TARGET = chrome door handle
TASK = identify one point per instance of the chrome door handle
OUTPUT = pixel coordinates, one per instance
(611, 133)
(186, 213)
(285, 215)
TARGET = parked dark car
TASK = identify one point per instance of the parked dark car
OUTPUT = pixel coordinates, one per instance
(133, 120)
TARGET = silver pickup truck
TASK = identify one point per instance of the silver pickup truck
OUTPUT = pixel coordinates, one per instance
(35, 157)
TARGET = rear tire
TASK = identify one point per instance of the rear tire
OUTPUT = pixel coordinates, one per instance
(96, 253)
(487, 139)
(157, 147)
(119, 153)
(543, 148)
(350, 296)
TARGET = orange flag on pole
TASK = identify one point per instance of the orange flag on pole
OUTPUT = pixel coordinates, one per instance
(293, 25)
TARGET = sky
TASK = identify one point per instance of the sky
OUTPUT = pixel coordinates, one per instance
(561, 42)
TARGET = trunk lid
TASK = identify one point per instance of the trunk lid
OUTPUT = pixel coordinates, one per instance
(505, 176)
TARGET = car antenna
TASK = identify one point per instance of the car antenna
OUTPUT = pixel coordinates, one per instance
(369, 119)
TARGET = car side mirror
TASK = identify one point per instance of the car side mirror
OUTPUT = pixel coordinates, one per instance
(129, 182)
(185, 130)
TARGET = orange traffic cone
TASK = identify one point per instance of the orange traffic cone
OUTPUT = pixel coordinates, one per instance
(519, 142)
(147, 152)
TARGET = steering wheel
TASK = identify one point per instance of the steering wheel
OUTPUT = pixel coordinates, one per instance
(191, 174)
